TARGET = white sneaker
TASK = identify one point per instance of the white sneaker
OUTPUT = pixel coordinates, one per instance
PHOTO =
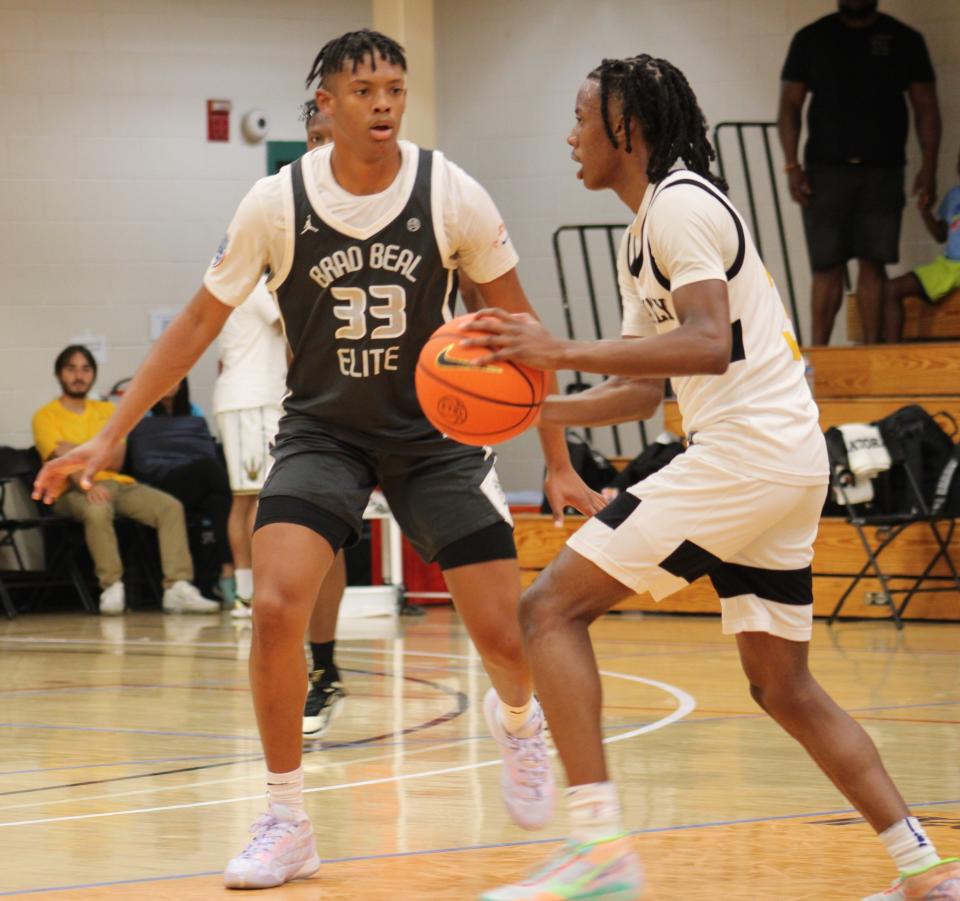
(526, 780)
(112, 600)
(182, 597)
(282, 849)
(242, 608)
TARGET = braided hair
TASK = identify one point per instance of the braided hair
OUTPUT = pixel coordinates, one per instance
(354, 47)
(658, 96)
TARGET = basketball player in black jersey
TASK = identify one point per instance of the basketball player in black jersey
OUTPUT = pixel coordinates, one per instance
(362, 240)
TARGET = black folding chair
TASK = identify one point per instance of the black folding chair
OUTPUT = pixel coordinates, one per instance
(61, 537)
(889, 527)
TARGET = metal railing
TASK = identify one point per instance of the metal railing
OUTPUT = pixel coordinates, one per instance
(742, 131)
(604, 244)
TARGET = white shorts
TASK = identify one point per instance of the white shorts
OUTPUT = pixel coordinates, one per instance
(248, 436)
(753, 538)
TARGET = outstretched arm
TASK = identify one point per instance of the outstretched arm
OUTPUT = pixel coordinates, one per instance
(168, 361)
(618, 399)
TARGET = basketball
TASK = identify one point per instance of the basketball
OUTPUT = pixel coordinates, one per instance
(474, 404)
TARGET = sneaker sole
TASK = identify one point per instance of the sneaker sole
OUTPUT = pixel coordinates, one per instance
(309, 868)
(315, 731)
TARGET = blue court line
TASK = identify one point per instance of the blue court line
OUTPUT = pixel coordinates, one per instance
(490, 847)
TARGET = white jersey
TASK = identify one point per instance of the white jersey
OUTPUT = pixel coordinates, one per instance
(469, 229)
(253, 355)
(759, 416)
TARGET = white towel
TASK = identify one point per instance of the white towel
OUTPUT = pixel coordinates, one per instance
(867, 457)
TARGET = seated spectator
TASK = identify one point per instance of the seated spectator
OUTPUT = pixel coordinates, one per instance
(934, 281)
(67, 422)
(183, 461)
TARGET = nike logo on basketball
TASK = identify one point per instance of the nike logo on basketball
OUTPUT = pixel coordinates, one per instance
(308, 226)
(444, 358)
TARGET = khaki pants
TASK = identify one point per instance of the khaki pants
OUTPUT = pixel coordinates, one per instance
(144, 504)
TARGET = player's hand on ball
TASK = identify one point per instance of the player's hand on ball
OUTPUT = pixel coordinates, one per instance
(517, 337)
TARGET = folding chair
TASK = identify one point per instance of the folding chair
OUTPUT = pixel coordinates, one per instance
(889, 527)
(61, 537)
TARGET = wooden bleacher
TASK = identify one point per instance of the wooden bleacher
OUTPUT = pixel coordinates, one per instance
(922, 321)
(851, 384)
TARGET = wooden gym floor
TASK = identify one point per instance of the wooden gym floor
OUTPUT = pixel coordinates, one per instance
(130, 763)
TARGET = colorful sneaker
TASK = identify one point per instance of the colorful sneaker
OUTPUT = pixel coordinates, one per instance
(607, 870)
(941, 882)
(282, 849)
(242, 608)
(526, 779)
(324, 701)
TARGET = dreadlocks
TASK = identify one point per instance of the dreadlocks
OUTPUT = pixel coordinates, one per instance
(658, 96)
(354, 47)
(308, 109)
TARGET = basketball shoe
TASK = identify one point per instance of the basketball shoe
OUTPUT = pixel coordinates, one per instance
(607, 870)
(282, 849)
(941, 882)
(526, 779)
(324, 701)
(242, 608)
(182, 597)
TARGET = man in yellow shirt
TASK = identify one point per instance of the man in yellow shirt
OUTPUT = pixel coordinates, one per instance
(72, 419)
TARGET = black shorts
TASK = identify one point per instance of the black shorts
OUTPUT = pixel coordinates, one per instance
(438, 491)
(854, 213)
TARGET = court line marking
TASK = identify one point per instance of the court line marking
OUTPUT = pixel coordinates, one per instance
(682, 827)
(462, 739)
(685, 705)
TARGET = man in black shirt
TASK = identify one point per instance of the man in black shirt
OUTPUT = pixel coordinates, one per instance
(857, 64)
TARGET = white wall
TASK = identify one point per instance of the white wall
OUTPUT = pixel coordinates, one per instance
(111, 200)
(508, 73)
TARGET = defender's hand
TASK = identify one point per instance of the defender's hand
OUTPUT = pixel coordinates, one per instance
(87, 460)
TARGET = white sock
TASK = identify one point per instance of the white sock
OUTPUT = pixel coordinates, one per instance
(594, 812)
(244, 579)
(909, 846)
(515, 718)
(287, 789)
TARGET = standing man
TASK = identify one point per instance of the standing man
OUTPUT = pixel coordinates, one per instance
(857, 64)
(741, 505)
(96, 499)
(363, 239)
(247, 405)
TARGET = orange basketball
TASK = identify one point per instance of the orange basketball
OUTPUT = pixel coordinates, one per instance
(474, 404)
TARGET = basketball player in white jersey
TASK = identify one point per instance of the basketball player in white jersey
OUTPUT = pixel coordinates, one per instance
(363, 239)
(741, 505)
